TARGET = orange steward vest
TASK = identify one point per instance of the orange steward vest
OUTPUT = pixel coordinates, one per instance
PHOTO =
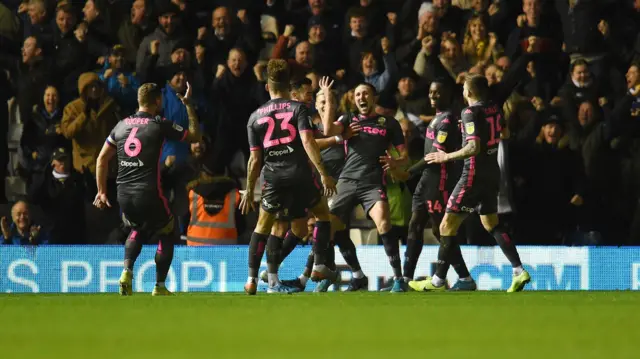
(213, 229)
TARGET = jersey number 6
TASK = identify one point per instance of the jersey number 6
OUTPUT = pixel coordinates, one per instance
(284, 126)
(132, 146)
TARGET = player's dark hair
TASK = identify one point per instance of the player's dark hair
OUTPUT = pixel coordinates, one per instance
(635, 64)
(370, 86)
(356, 12)
(66, 8)
(148, 94)
(446, 87)
(297, 85)
(477, 85)
(278, 75)
(579, 62)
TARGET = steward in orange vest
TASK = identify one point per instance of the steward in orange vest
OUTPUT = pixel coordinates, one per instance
(213, 202)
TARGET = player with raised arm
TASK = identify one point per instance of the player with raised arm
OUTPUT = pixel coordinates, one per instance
(281, 134)
(477, 189)
(137, 141)
(333, 156)
(362, 180)
(436, 183)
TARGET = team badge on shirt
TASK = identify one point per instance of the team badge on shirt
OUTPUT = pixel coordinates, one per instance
(381, 121)
(442, 136)
(470, 127)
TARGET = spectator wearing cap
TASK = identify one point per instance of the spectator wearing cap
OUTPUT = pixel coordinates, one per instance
(181, 54)
(60, 193)
(21, 230)
(226, 34)
(87, 121)
(133, 29)
(163, 39)
(42, 133)
(551, 184)
(120, 82)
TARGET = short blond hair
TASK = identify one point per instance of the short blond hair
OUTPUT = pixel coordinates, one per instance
(148, 94)
(278, 75)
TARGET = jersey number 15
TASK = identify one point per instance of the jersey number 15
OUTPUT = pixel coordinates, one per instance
(284, 126)
(495, 128)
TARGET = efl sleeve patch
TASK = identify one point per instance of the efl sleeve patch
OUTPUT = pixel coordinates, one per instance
(470, 128)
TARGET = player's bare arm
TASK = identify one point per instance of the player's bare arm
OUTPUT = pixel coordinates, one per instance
(194, 135)
(471, 149)
(329, 125)
(102, 168)
(313, 151)
(253, 172)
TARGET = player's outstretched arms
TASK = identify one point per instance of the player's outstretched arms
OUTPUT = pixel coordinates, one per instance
(471, 149)
(313, 151)
(329, 125)
(194, 135)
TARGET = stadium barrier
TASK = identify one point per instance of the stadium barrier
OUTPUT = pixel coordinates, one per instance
(93, 269)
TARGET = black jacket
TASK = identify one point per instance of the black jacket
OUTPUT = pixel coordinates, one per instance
(63, 204)
(39, 135)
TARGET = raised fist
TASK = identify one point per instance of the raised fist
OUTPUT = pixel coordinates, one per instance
(522, 19)
(154, 47)
(288, 30)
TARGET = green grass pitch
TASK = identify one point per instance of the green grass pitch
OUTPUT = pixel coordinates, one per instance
(333, 325)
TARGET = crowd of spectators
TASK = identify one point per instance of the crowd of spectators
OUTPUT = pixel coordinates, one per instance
(571, 167)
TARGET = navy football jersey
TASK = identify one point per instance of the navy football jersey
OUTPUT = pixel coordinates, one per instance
(275, 129)
(364, 150)
(332, 157)
(482, 121)
(443, 134)
(139, 140)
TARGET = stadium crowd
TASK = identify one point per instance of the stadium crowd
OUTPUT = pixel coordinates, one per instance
(71, 70)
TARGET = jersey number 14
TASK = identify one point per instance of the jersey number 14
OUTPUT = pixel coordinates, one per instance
(285, 117)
